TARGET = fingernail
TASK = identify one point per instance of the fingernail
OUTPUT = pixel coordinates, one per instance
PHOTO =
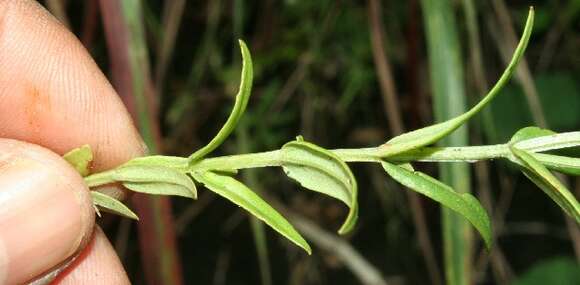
(50, 276)
(43, 218)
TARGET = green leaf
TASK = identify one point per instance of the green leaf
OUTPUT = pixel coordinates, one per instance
(530, 133)
(563, 164)
(559, 270)
(239, 107)
(463, 203)
(112, 205)
(159, 160)
(320, 170)
(550, 142)
(155, 180)
(432, 134)
(241, 195)
(157, 188)
(80, 158)
(544, 179)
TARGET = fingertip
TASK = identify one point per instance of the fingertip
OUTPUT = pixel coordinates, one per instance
(97, 264)
(46, 212)
(53, 94)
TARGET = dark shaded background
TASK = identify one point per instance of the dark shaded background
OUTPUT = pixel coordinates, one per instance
(315, 75)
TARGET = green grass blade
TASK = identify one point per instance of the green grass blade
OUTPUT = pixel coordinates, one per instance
(320, 170)
(251, 179)
(448, 90)
(463, 203)
(544, 179)
(434, 133)
(239, 107)
(125, 33)
(242, 196)
(259, 234)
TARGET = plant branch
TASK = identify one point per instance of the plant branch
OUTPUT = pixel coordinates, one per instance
(373, 154)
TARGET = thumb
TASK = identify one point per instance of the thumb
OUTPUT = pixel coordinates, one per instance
(46, 213)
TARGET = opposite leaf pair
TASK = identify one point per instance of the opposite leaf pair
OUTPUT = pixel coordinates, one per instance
(135, 176)
(539, 174)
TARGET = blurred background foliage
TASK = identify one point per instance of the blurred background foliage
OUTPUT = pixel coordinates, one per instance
(342, 74)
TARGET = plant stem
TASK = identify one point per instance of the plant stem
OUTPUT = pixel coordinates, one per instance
(426, 154)
(454, 154)
(371, 154)
(239, 161)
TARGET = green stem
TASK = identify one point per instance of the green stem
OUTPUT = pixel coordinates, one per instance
(239, 161)
(454, 154)
(372, 154)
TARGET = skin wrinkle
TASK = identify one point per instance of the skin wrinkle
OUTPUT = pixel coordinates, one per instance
(99, 248)
(74, 86)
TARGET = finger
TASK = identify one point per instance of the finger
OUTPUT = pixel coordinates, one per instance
(53, 94)
(97, 264)
(46, 212)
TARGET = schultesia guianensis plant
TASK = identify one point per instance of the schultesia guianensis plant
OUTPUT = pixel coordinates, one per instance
(327, 172)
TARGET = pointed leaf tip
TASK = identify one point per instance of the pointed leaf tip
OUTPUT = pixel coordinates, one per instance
(112, 205)
(241, 195)
(432, 134)
(240, 104)
(463, 203)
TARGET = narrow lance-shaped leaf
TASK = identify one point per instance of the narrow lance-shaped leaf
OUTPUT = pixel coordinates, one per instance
(562, 164)
(175, 162)
(320, 170)
(239, 107)
(544, 179)
(528, 136)
(112, 205)
(155, 180)
(80, 158)
(150, 173)
(156, 188)
(242, 196)
(434, 133)
(550, 142)
(463, 203)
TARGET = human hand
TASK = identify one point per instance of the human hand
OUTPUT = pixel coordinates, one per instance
(53, 98)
